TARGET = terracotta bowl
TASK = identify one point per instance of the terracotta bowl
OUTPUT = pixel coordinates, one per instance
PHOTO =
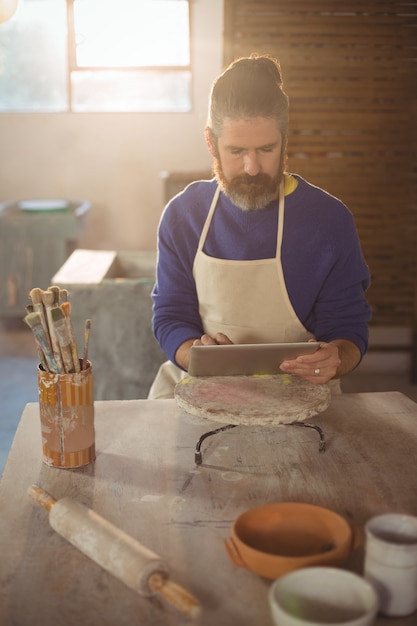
(274, 539)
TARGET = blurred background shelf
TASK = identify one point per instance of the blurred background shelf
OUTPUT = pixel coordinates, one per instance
(34, 243)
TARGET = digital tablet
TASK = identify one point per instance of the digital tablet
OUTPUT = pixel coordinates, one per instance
(245, 359)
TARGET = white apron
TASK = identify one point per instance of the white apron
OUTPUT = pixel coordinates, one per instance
(245, 300)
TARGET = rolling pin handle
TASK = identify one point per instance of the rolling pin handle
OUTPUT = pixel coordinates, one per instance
(179, 597)
(42, 497)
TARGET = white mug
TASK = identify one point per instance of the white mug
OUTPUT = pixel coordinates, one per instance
(322, 596)
(391, 562)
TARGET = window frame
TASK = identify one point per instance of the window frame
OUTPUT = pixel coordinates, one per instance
(69, 100)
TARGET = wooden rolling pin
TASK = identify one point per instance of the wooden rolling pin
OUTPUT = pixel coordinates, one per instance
(125, 558)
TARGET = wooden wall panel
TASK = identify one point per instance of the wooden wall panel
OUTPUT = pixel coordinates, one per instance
(351, 75)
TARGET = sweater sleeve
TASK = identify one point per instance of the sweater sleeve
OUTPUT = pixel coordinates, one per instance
(176, 315)
(331, 259)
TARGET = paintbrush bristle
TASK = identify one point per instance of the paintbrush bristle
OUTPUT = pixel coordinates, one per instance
(57, 314)
(35, 295)
(63, 295)
(33, 319)
(66, 308)
(48, 298)
(55, 290)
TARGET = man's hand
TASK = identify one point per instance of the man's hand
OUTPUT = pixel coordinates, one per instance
(331, 360)
(219, 339)
(182, 355)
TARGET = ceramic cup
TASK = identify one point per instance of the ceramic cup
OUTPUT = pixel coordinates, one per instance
(391, 561)
(322, 596)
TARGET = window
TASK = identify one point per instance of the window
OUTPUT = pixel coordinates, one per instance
(96, 55)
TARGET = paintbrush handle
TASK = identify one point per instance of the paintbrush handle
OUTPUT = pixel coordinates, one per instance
(86, 342)
(66, 308)
(61, 331)
(75, 357)
(42, 341)
(39, 308)
(54, 342)
(41, 356)
(41, 337)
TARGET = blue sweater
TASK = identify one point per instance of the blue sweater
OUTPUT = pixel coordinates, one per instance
(324, 269)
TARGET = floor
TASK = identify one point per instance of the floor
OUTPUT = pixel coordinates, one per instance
(18, 379)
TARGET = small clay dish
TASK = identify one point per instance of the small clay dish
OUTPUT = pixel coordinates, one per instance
(274, 539)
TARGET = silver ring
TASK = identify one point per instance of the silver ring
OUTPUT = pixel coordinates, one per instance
(317, 372)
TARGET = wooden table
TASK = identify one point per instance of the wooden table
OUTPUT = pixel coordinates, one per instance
(146, 482)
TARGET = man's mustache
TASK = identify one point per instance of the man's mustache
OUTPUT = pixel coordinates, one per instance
(259, 180)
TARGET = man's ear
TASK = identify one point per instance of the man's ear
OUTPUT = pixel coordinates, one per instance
(210, 141)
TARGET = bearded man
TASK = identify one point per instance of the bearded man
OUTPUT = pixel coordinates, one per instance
(258, 254)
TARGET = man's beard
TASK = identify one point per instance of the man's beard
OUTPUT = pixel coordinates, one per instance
(249, 193)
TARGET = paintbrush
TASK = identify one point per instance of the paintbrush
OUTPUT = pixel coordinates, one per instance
(33, 320)
(48, 298)
(66, 309)
(56, 291)
(36, 296)
(63, 296)
(37, 306)
(41, 356)
(86, 340)
(61, 331)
